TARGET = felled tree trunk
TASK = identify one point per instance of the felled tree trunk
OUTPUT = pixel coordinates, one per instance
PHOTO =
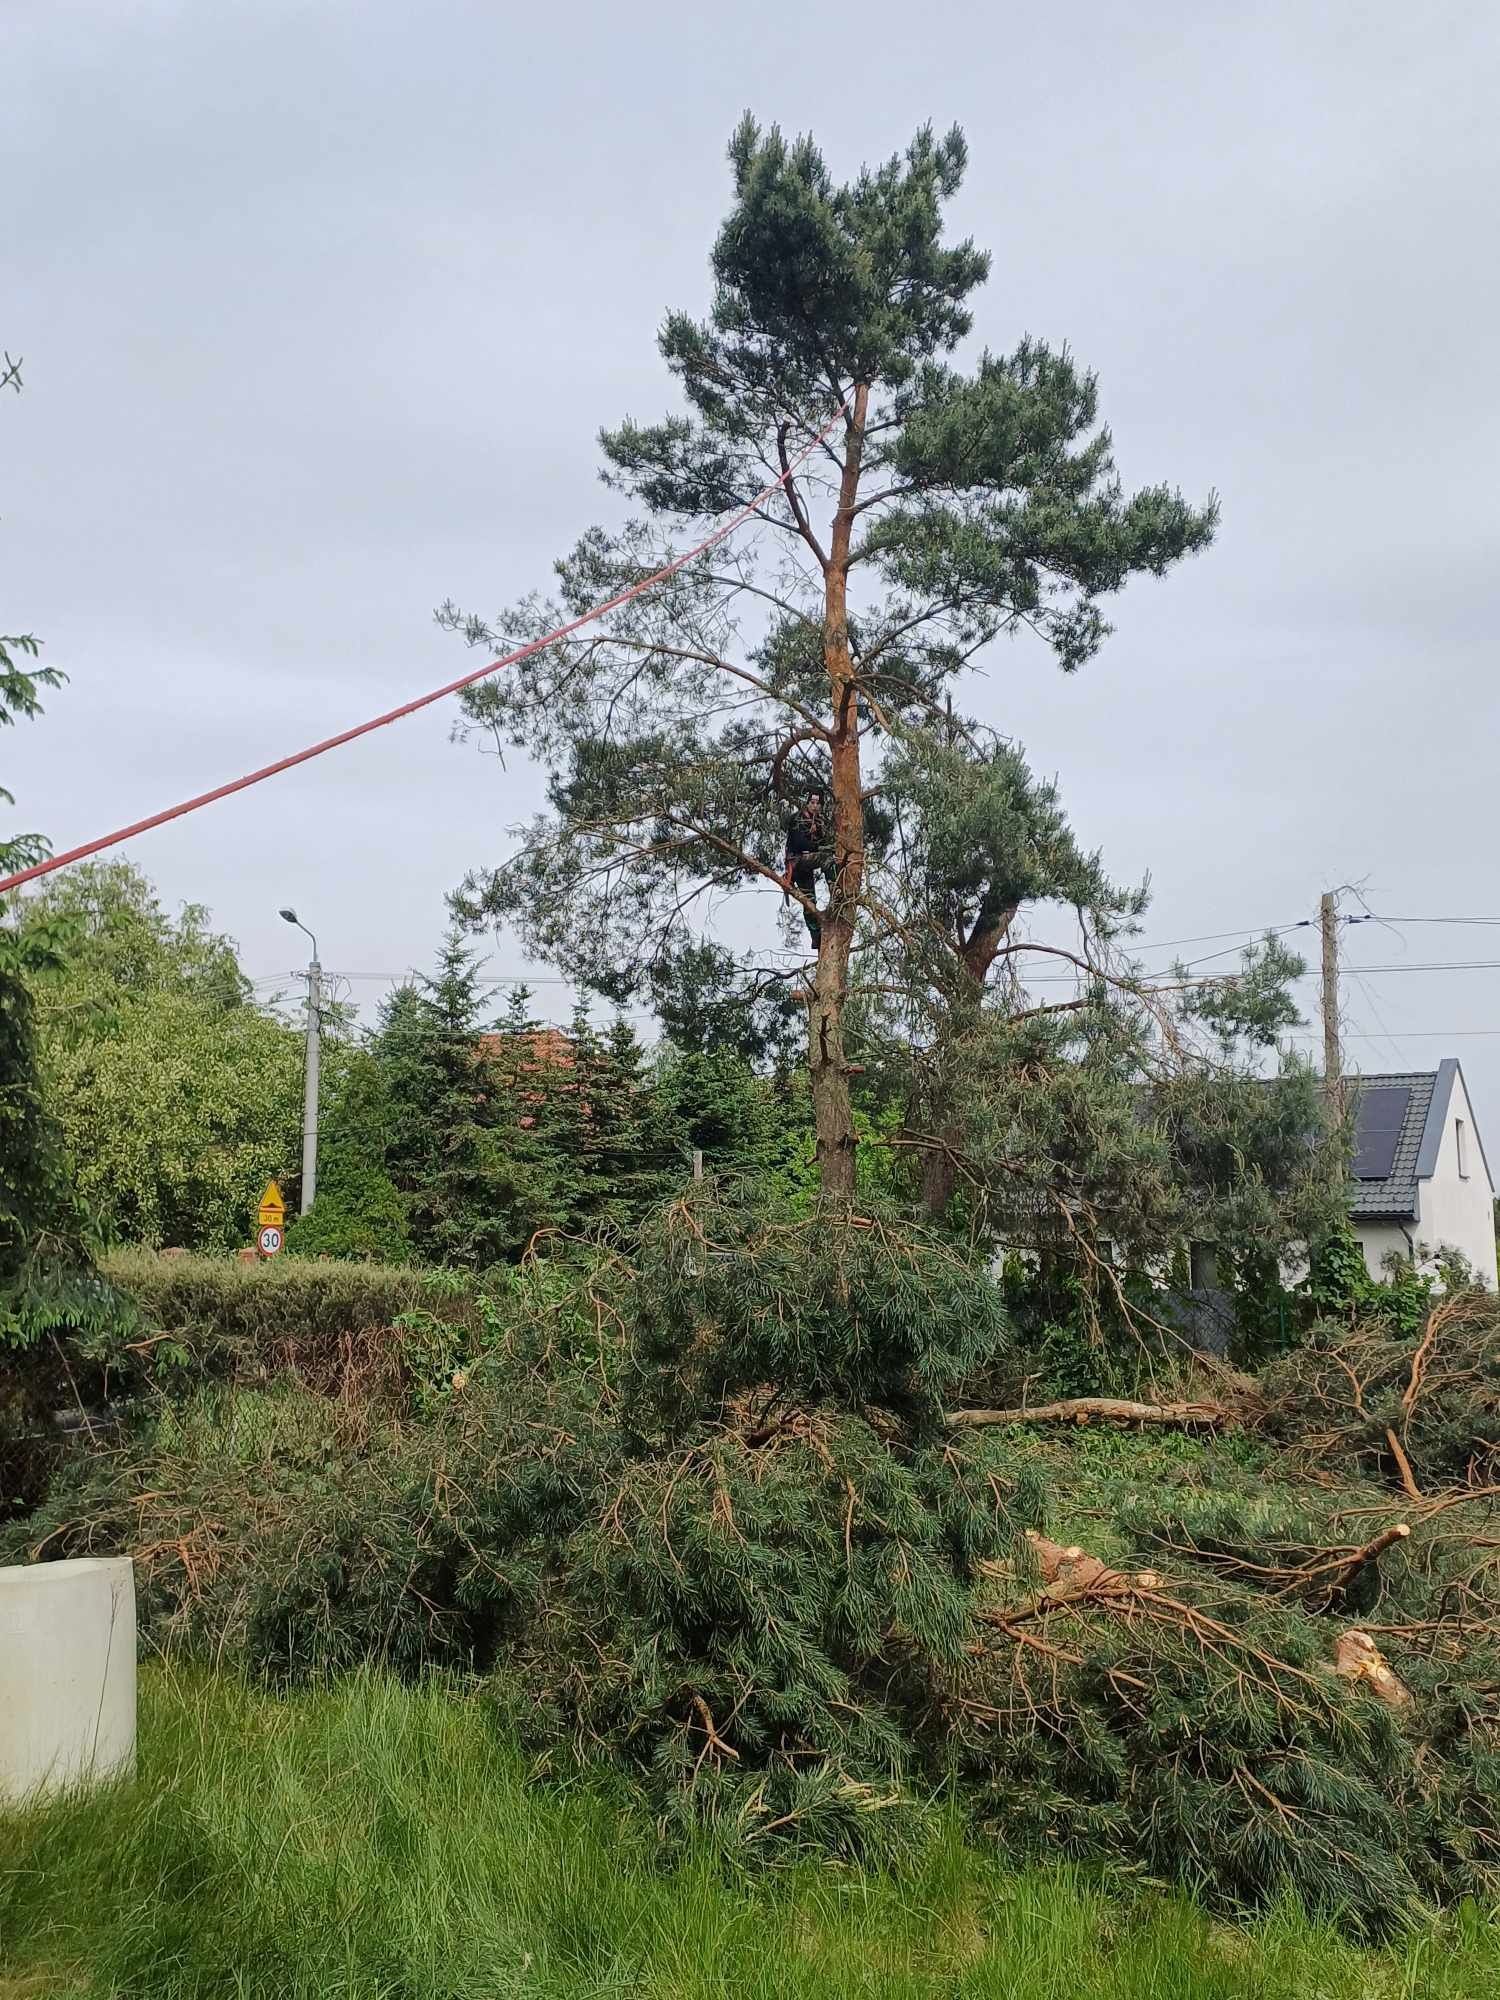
(1102, 1409)
(1073, 1572)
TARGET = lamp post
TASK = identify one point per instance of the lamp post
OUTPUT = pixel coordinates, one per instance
(310, 1075)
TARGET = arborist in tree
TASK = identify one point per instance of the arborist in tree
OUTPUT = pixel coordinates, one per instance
(806, 841)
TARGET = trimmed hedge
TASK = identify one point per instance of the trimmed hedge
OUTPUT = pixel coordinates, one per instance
(343, 1329)
(263, 1301)
(361, 1333)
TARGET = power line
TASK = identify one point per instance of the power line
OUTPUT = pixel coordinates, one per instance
(1405, 1034)
(1211, 937)
(1279, 930)
(1434, 965)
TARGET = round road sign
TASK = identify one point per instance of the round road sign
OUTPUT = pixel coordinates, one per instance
(270, 1240)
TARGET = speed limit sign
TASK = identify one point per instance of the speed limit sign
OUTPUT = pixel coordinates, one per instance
(270, 1240)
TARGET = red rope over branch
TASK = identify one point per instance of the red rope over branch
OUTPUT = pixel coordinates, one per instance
(681, 562)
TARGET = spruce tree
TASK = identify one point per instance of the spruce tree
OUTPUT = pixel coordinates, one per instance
(452, 1151)
(359, 1211)
(633, 1157)
(948, 507)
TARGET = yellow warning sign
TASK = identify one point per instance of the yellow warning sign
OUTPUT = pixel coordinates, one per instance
(272, 1210)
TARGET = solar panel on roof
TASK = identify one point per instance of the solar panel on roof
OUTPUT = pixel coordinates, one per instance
(1377, 1130)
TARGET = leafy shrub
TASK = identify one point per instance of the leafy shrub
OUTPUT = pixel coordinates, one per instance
(362, 1217)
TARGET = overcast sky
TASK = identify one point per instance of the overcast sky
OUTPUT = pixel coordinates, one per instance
(323, 305)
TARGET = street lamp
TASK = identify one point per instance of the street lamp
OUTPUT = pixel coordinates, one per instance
(310, 1074)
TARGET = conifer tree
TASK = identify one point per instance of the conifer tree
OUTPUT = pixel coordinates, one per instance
(946, 508)
(700, 996)
(451, 1149)
(359, 1211)
(634, 1159)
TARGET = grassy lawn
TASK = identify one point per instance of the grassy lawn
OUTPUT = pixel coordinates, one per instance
(377, 1841)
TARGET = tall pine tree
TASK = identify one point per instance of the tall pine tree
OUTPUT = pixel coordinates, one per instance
(946, 508)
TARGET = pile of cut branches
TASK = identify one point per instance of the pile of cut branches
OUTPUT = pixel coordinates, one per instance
(699, 1512)
(1252, 1700)
(1420, 1410)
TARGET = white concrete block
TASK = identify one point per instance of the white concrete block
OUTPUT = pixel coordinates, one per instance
(67, 1674)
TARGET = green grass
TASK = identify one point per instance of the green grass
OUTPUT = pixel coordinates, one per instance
(372, 1840)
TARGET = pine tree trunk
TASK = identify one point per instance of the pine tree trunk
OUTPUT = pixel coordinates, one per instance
(833, 1110)
(939, 1161)
(939, 1171)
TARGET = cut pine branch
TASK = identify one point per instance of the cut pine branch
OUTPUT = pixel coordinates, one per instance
(1370, 1553)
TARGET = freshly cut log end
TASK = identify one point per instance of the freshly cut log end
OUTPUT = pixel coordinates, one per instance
(1356, 1657)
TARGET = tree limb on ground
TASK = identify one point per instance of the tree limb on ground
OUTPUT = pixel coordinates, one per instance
(1103, 1409)
(1075, 1581)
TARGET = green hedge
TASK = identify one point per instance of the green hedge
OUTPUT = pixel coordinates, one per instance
(365, 1334)
(337, 1326)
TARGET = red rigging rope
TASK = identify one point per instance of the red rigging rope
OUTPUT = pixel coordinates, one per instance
(123, 833)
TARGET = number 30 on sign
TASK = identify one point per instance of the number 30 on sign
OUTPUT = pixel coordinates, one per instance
(269, 1240)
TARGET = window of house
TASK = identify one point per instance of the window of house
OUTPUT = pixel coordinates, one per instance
(1203, 1267)
(1461, 1131)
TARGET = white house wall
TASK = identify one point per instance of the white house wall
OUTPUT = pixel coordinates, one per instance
(1380, 1240)
(1454, 1212)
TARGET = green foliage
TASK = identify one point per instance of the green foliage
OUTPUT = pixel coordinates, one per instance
(47, 1279)
(123, 946)
(744, 1124)
(359, 1212)
(731, 1297)
(1338, 1284)
(695, 1513)
(177, 1097)
(177, 1118)
(645, 1495)
(231, 1321)
(1073, 1137)
(20, 688)
(982, 836)
(705, 1008)
(489, 1140)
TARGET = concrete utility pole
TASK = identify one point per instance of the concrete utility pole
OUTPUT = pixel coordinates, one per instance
(310, 1073)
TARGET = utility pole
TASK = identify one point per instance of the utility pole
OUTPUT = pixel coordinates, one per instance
(310, 1072)
(1333, 1062)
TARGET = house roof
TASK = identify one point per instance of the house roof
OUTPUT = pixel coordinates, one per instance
(549, 1047)
(1392, 1195)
